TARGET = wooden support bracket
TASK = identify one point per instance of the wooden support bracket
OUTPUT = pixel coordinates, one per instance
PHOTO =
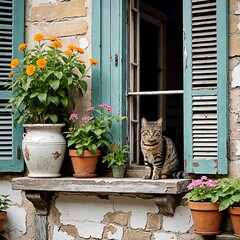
(41, 201)
(166, 204)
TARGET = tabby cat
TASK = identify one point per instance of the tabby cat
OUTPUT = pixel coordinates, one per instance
(159, 152)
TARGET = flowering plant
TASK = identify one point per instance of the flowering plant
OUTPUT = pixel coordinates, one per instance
(202, 190)
(95, 132)
(42, 79)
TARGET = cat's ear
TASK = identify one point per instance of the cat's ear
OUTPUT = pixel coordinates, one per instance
(159, 122)
(144, 122)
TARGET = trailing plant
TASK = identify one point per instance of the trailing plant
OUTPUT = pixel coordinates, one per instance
(4, 202)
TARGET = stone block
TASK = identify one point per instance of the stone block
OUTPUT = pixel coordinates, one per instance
(136, 235)
(58, 11)
(154, 221)
(116, 217)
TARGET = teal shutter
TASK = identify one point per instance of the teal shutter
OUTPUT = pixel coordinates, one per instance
(205, 86)
(11, 35)
(109, 48)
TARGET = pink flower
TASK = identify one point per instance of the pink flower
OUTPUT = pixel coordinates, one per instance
(91, 109)
(73, 117)
(107, 107)
(87, 118)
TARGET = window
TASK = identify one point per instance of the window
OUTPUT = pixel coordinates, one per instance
(11, 35)
(176, 68)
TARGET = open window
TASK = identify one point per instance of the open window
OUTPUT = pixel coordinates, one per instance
(166, 59)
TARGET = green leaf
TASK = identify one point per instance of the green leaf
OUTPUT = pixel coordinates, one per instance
(59, 75)
(42, 97)
(93, 148)
(54, 84)
(64, 101)
(54, 99)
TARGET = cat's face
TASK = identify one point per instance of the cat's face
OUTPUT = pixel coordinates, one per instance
(151, 131)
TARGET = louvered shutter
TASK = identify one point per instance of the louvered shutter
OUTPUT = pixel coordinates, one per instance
(11, 35)
(205, 86)
(109, 44)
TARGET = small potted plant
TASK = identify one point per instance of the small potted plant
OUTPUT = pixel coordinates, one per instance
(41, 83)
(204, 207)
(228, 194)
(85, 141)
(117, 158)
(4, 205)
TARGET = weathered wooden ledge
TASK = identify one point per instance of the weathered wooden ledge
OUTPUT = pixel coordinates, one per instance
(40, 191)
(102, 185)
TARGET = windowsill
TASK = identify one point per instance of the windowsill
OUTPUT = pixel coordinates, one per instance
(102, 185)
(164, 192)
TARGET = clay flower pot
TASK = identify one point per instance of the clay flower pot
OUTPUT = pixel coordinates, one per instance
(3, 217)
(235, 219)
(84, 166)
(206, 217)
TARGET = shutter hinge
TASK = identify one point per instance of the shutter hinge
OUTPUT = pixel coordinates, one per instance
(116, 60)
(18, 152)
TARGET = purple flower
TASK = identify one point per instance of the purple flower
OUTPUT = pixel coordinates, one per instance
(107, 107)
(91, 109)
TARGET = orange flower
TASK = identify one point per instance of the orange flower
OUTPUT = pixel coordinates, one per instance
(14, 63)
(53, 38)
(30, 70)
(93, 61)
(38, 37)
(41, 62)
(10, 74)
(56, 44)
(22, 46)
(81, 61)
(80, 50)
(68, 52)
(72, 47)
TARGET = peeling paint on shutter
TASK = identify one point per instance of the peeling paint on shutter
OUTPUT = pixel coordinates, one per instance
(11, 35)
(205, 86)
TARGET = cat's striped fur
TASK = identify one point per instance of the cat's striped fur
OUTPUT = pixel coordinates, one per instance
(159, 152)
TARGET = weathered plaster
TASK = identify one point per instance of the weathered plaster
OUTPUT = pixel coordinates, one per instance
(58, 234)
(165, 236)
(180, 223)
(236, 76)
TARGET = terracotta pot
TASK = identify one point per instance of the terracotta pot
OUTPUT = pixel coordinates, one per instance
(235, 219)
(3, 217)
(206, 217)
(84, 166)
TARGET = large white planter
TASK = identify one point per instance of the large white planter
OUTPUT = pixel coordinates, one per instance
(44, 148)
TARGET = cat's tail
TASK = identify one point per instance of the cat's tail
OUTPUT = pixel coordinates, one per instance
(178, 174)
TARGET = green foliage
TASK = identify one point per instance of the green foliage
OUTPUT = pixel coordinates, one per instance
(228, 193)
(42, 80)
(116, 156)
(4, 202)
(95, 132)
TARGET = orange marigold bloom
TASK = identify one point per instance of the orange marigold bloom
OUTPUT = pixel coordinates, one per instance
(68, 52)
(14, 63)
(80, 50)
(22, 46)
(41, 62)
(72, 47)
(56, 44)
(93, 61)
(30, 70)
(38, 37)
(81, 61)
(10, 74)
(53, 38)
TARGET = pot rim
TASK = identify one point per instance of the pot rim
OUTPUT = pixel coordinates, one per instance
(44, 124)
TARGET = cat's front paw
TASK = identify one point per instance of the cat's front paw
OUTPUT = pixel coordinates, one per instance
(164, 176)
(146, 176)
(155, 177)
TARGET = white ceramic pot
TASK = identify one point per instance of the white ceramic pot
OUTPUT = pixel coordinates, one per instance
(43, 148)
